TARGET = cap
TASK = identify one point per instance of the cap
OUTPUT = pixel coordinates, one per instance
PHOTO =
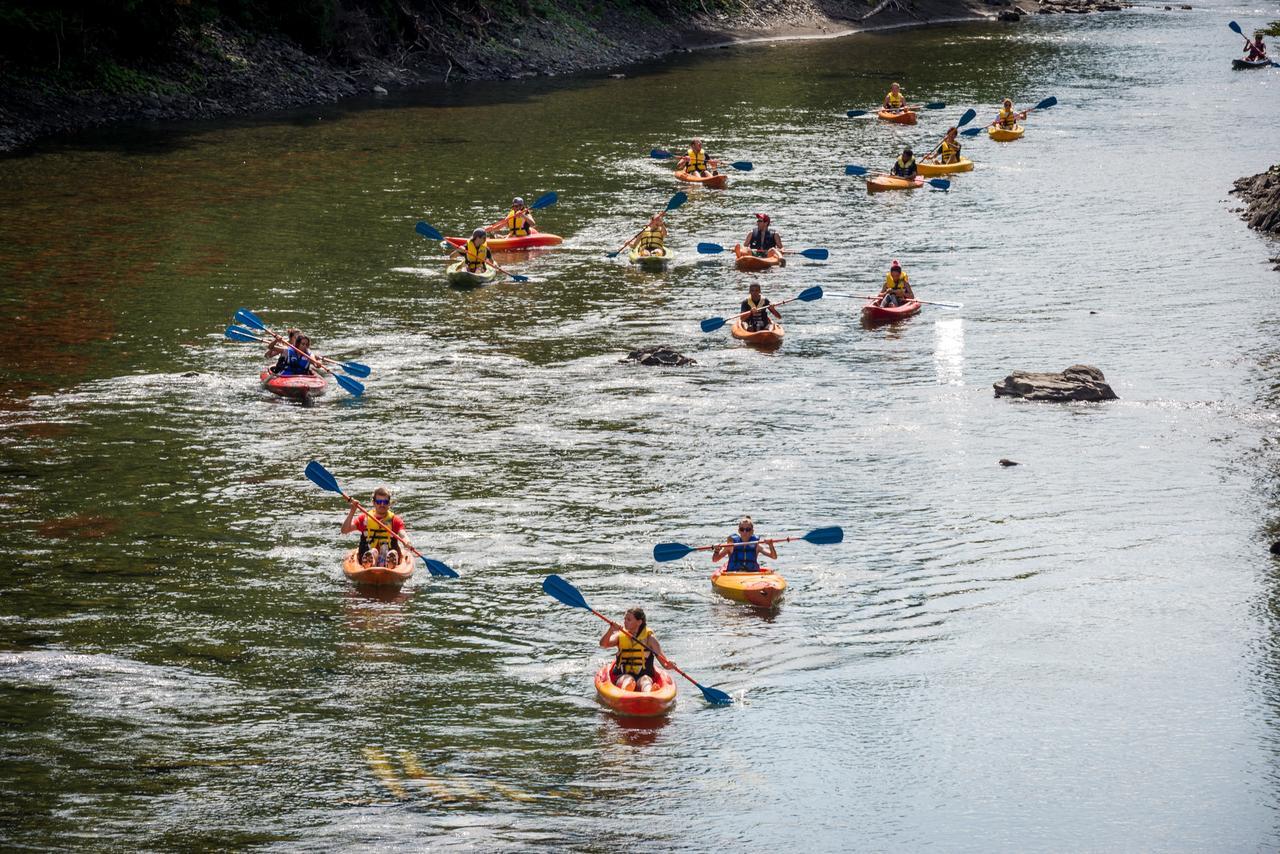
(895, 265)
(762, 217)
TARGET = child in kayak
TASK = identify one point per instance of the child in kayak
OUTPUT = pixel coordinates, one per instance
(743, 549)
(1008, 119)
(760, 308)
(652, 239)
(518, 222)
(1256, 49)
(637, 646)
(695, 161)
(763, 241)
(276, 347)
(897, 287)
(475, 251)
(296, 360)
(895, 100)
(377, 546)
(949, 148)
(905, 166)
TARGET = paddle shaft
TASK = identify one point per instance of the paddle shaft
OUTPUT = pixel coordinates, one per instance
(913, 299)
(315, 356)
(637, 234)
(771, 541)
(667, 663)
(765, 308)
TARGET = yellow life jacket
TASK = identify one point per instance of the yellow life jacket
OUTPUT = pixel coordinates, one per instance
(517, 223)
(651, 238)
(633, 657)
(378, 533)
(895, 102)
(1008, 118)
(898, 288)
(697, 160)
(755, 306)
(949, 152)
(476, 256)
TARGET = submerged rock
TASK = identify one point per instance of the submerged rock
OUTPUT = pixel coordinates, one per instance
(1078, 382)
(664, 356)
(1007, 463)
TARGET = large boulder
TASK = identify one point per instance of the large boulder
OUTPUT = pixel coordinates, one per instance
(1078, 382)
(663, 356)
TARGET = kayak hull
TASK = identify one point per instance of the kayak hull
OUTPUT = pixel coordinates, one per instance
(651, 262)
(761, 589)
(715, 182)
(751, 263)
(294, 387)
(898, 117)
(964, 164)
(881, 183)
(1005, 134)
(876, 314)
(764, 339)
(637, 704)
(377, 576)
(533, 240)
(460, 276)
(1242, 64)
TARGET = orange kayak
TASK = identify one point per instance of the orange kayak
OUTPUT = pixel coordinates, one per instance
(749, 262)
(640, 704)
(765, 339)
(880, 183)
(762, 589)
(378, 576)
(901, 117)
(715, 182)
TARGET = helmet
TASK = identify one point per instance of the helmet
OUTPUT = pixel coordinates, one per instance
(517, 201)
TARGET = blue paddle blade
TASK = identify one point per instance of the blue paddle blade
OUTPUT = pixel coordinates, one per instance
(972, 131)
(966, 117)
(824, 536)
(711, 324)
(1046, 103)
(743, 165)
(559, 589)
(319, 475)
(659, 154)
(235, 333)
(354, 386)
(518, 278)
(853, 114)
(676, 201)
(439, 569)
(939, 183)
(855, 170)
(355, 369)
(710, 248)
(816, 254)
(428, 231)
(545, 201)
(248, 318)
(715, 695)
(1235, 27)
(810, 294)
(664, 552)
(935, 105)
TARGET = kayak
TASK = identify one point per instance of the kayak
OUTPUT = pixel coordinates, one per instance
(1004, 135)
(640, 704)
(299, 387)
(715, 182)
(458, 275)
(377, 576)
(901, 117)
(880, 183)
(873, 313)
(1241, 64)
(762, 589)
(651, 262)
(765, 339)
(532, 240)
(927, 169)
(749, 262)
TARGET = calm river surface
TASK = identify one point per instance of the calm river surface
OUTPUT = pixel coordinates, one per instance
(1078, 653)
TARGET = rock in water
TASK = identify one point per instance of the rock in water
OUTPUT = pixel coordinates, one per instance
(1078, 382)
(664, 356)
(1007, 463)
(1261, 193)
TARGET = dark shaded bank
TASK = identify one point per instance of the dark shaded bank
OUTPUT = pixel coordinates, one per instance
(1261, 195)
(63, 69)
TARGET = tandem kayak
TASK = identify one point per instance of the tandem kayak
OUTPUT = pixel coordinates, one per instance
(765, 339)
(640, 704)
(715, 182)
(459, 275)
(874, 313)
(880, 183)
(928, 169)
(749, 262)
(762, 589)
(377, 576)
(1005, 134)
(652, 261)
(900, 117)
(297, 387)
(532, 240)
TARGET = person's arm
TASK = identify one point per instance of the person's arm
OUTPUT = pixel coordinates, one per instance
(610, 636)
(683, 161)
(722, 551)
(349, 524)
(528, 217)
(777, 241)
(910, 293)
(769, 549)
(773, 309)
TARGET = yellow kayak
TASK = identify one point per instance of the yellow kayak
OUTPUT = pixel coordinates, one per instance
(928, 169)
(1004, 134)
(458, 275)
(652, 261)
(762, 589)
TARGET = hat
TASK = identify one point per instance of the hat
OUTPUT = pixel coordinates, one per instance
(895, 265)
(762, 217)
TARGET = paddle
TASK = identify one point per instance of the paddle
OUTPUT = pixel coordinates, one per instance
(711, 324)
(564, 592)
(740, 165)
(921, 301)
(353, 387)
(674, 202)
(1043, 105)
(852, 169)
(432, 233)
(966, 117)
(1236, 28)
(816, 254)
(320, 476)
(544, 201)
(248, 318)
(932, 105)
(663, 552)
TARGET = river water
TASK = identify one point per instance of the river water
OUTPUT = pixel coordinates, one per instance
(1077, 653)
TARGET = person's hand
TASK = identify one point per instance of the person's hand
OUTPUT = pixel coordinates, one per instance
(668, 663)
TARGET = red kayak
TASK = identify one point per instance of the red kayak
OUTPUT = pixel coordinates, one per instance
(532, 240)
(875, 313)
(299, 387)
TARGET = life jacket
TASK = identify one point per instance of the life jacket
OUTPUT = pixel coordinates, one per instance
(906, 169)
(1008, 118)
(895, 102)
(634, 658)
(765, 243)
(697, 160)
(518, 223)
(651, 238)
(898, 288)
(743, 558)
(949, 152)
(476, 257)
(295, 364)
(376, 533)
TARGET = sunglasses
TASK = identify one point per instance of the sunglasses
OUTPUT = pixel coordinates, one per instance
(745, 528)
(382, 501)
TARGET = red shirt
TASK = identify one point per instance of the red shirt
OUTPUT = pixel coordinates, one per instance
(397, 524)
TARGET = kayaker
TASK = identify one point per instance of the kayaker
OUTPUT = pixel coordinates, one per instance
(759, 309)
(637, 647)
(1008, 119)
(296, 361)
(905, 166)
(377, 546)
(763, 241)
(1257, 49)
(895, 100)
(518, 222)
(897, 287)
(695, 160)
(743, 549)
(949, 148)
(475, 251)
(277, 347)
(652, 238)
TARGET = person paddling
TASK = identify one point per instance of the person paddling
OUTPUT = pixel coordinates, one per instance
(905, 166)
(695, 162)
(760, 308)
(296, 361)
(279, 348)
(897, 287)
(743, 549)
(637, 647)
(763, 241)
(377, 546)
(1256, 48)
(652, 238)
(1008, 118)
(518, 222)
(895, 100)
(949, 148)
(475, 251)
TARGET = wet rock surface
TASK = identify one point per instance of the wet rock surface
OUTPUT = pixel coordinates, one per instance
(662, 356)
(1261, 195)
(1078, 382)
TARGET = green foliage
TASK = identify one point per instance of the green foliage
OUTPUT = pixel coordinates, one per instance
(1272, 29)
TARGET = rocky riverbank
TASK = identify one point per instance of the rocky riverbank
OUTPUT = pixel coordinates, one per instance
(1261, 195)
(222, 69)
